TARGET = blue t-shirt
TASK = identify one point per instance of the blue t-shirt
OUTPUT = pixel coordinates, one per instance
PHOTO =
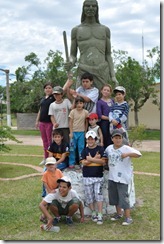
(90, 170)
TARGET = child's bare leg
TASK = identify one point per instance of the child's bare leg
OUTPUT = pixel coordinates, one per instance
(119, 210)
(127, 213)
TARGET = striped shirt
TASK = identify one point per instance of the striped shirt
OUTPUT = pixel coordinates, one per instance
(119, 112)
(92, 94)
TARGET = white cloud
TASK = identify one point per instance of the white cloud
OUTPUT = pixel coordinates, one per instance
(37, 26)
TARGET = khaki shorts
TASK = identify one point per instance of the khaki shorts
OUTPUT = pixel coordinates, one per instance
(64, 210)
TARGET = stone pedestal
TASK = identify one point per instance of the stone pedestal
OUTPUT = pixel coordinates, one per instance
(77, 184)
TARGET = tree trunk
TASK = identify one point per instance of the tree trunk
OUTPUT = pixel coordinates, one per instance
(136, 117)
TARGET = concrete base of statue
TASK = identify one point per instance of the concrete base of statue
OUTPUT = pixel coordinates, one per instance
(77, 184)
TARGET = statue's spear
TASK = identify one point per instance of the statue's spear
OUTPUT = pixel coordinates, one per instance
(66, 46)
(69, 73)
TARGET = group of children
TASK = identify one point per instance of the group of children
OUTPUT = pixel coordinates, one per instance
(96, 128)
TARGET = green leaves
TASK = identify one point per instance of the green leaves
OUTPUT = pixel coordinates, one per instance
(6, 134)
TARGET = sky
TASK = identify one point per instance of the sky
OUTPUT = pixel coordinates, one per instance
(37, 26)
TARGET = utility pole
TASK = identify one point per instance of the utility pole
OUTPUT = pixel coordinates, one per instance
(143, 62)
(7, 96)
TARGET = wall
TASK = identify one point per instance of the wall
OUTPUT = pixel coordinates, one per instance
(26, 121)
(149, 115)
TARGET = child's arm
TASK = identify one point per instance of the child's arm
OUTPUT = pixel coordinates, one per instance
(71, 128)
(124, 116)
(55, 125)
(68, 83)
(37, 120)
(131, 155)
(85, 162)
(96, 159)
(48, 190)
(64, 155)
(101, 137)
(86, 125)
(112, 120)
(43, 208)
(50, 154)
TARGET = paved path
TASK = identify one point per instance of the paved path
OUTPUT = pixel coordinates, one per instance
(149, 146)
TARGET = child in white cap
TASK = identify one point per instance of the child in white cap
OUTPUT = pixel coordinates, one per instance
(49, 179)
(92, 161)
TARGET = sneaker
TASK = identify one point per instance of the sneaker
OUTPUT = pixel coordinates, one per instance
(127, 221)
(69, 220)
(94, 218)
(43, 162)
(116, 217)
(99, 220)
(56, 220)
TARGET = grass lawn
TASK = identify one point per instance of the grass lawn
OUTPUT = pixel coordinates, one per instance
(20, 213)
(149, 134)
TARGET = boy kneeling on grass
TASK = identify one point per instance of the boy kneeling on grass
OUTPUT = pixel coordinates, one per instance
(120, 175)
(65, 201)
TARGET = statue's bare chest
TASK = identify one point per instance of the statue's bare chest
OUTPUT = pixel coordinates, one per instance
(88, 32)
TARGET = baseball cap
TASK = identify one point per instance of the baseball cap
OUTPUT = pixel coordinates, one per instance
(50, 160)
(117, 132)
(91, 133)
(58, 90)
(93, 116)
(120, 89)
(64, 179)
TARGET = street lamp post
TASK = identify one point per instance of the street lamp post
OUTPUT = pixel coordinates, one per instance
(7, 96)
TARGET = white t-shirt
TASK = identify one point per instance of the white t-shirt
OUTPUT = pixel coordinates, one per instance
(62, 200)
(92, 94)
(120, 169)
(60, 111)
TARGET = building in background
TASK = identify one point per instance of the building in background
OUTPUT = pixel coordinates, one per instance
(149, 115)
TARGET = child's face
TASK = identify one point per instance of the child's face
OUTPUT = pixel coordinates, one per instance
(119, 97)
(87, 84)
(79, 105)
(64, 189)
(51, 167)
(58, 97)
(106, 92)
(91, 142)
(57, 139)
(117, 140)
(92, 122)
(48, 90)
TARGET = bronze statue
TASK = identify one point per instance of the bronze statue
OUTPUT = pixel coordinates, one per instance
(93, 41)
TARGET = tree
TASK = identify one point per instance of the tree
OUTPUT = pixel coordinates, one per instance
(155, 54)
(138, 80)
(27, 90)
(6, 134)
